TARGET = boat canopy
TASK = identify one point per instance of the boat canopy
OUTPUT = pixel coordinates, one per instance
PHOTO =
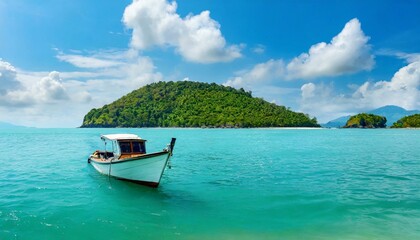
(116, 137)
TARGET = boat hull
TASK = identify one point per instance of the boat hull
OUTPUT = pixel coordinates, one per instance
(146, 169)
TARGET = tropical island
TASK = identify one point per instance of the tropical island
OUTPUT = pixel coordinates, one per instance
(391, 112)
(412, 121)
(365, 120)
(193, 104)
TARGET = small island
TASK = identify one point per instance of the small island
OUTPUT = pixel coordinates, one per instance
(412, 121)
(193, 104)
(365, 120)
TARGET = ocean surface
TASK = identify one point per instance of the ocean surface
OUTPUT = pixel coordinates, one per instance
(224, 184)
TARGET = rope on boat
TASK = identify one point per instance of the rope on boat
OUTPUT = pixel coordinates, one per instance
(170, 149)
(110, 166)
(110, 162)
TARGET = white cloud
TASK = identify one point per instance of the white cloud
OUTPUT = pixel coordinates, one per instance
(196, 37)
(87, 62)
(320, 100)
(104, 59)
(49, 89)
(402, 90)
(53, 99)
(125, 68)
(104, 85)
(308, 90)
(409, 57)
(7, 77)
(262, 73)
(348, 52)
(259, 49)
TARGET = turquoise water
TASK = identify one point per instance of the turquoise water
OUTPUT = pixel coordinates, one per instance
(224, 184)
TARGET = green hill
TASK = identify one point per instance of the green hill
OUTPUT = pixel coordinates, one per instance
(412, 121)
(193, 104)
(392, 114)
(365, 120)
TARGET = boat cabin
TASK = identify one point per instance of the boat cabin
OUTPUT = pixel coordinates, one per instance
(130, 148)
(123, 146)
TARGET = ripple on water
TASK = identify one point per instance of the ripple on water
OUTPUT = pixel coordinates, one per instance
(237, 183)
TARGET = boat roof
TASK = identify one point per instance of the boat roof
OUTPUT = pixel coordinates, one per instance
(121, 136)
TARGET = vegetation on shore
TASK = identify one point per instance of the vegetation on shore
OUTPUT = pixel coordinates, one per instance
(193, 104)
(412, 121)
(365, 120)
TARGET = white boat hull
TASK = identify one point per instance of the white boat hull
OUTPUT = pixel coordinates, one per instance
(146, 169)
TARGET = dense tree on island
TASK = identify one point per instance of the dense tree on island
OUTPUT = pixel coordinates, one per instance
(365, 120)
(391, 112)
(193, 104)
(412, 121)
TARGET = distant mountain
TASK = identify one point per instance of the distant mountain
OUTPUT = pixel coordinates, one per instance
(5, 125)
(336, 123)
(392, 114)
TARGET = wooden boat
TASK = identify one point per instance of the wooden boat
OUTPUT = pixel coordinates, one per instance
(128, 160)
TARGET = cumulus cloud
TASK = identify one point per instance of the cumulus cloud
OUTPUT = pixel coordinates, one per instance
(402, 90)
(308, 90)
(48, 98)
(49, 89)
(7, 77)
(196, 37)
(42, 98)
(260, 73)
(348, 52)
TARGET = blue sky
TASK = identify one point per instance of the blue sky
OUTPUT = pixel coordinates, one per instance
(61, 58)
